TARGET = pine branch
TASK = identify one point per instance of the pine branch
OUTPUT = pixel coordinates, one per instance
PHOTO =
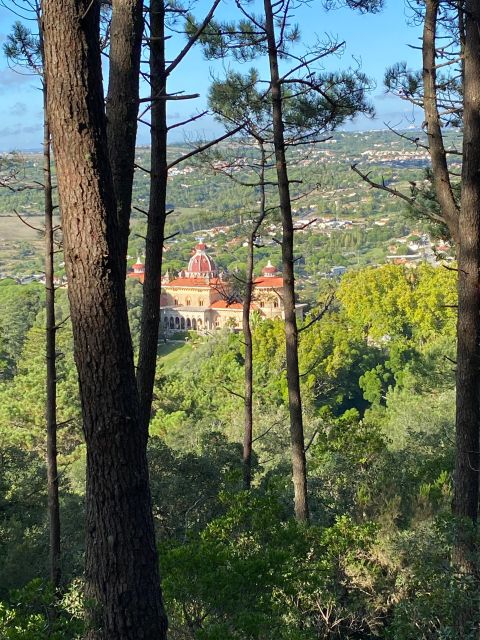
(204, 147)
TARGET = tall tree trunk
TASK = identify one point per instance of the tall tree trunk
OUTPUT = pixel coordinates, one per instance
(147, 359)
(122, 107)
(438, 156)
(291, 332)
(248, 393)
(51, 380)
(159, 74)
(122, 580)
(466, 480)
(247, 333)
(50, 341)
(464, 226)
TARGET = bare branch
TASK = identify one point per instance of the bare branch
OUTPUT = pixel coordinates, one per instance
(170, 96)
(193, 39)
(60, 324)
(137, 166)
(394, 192)
(310, 442)
(320, 315)
(304, 63)
(188, 121)
(234, 393)
(262, 435)
(303, 227)
(204, 147)
(42, 231)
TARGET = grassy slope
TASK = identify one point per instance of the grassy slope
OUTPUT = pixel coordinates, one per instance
(173, 354)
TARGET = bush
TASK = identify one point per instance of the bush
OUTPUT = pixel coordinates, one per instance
(34, 613)
(252, 574)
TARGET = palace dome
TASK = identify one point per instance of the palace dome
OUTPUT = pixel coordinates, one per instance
(138, 267)
(269, 270)
(201, 264)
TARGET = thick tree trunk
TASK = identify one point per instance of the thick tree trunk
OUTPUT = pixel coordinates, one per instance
(121, 574)
(291, 332)
(122, 107)
(464, 226)
(147, 359)
(51, 379)
(466, 479)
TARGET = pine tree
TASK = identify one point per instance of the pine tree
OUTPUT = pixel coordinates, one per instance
(303, 104)
(122, 578)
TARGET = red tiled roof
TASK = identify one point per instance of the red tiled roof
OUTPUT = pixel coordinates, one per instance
(137, 276)
(223, 304)
(269, 283)
(194, 282)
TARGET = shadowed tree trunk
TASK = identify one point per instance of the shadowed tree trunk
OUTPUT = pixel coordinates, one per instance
(126, 30)
(50, 333)
(121, 573)
(247, 332)
(291, 333)
(51, 381)
(248, 396)
(464, 226)
(441, 176)
(147, 358)
(26, 50)
(466, 479)
(160, 71)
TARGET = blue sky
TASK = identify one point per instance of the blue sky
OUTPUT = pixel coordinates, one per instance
(376, 40)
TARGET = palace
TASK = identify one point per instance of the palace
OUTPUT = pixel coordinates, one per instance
(200, 297)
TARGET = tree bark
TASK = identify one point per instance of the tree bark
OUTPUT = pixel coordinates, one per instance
(247, 332)
(438, 157)
(291, 333)
(466, 479)
(121, 574)
(122, 107)
(147, 358)
(50, 342)
(159, 74)
(248, 393)
(51, 378)
(464, 226)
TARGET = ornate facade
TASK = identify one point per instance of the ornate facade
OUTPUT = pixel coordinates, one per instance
(199, 298)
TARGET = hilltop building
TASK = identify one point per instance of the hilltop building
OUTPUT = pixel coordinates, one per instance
(200, 298)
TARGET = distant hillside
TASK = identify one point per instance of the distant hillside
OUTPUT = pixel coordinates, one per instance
(325, 171)
(325, 187)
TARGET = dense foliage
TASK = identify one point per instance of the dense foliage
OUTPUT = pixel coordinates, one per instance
(379, 406)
